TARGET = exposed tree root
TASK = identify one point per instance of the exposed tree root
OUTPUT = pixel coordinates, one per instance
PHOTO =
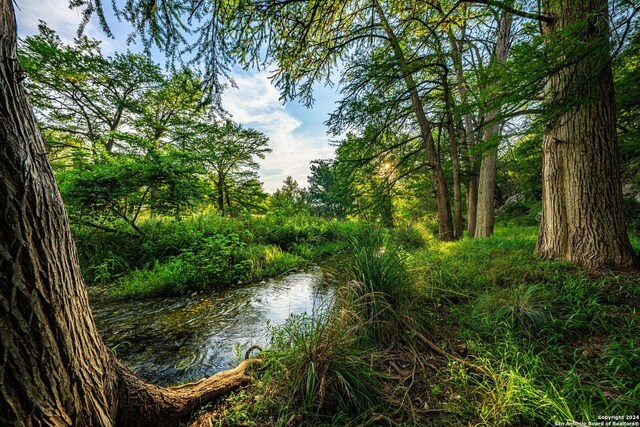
(433, 346)
(143, 404)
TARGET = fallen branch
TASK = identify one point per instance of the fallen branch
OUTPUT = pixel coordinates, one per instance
(433, 346)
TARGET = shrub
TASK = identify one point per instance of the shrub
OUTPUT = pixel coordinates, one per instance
(410, 236)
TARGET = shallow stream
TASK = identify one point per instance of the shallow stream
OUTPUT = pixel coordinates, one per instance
(180, 339)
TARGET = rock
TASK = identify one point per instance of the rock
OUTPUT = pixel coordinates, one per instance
(512, 199)
(263, 283)
(240, 282)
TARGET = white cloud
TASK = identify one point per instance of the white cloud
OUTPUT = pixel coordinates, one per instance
(256, 104)
(59, 17)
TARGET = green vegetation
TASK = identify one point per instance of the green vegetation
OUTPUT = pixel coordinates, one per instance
(204, 252)
(544, 341)
(454, 116)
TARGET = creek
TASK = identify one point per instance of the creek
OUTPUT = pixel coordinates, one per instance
(180, 339)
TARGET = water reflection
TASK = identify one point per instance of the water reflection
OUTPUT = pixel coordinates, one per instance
(181, 339)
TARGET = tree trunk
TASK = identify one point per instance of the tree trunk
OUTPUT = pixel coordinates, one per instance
(487, 177)
(472, 202)
(457, 187)
(445, 221)
(455, 160)
(54, 367)
(582, 216)
(221, 194)
(471, 182)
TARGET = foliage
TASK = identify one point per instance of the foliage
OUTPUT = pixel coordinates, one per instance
(329, 193)
(82, 97)
(128, 141)
(290, 199)
(118, 188)
(202, 252)
(230, 153)
(550, 335)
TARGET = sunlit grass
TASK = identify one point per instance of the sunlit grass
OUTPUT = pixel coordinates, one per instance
(554, 337)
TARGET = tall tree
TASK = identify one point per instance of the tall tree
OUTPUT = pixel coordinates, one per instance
(79, 92)
(56, 370)
(488, 166)
(329, 190)
(582, 214)
(230, 153)
(290, 199)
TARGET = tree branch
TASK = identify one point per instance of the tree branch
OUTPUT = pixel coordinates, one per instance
(510, 9)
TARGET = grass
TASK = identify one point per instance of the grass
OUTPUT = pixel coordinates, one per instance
(555, 338)
(204, 252)
(329, 370)
(551, 342)
(542, 342)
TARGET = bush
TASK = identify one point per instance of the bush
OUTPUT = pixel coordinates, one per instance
(204, 252)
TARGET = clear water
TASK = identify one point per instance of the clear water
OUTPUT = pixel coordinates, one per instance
(179, 339)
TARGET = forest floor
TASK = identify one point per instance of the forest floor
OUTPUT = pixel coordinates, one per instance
(473, 332)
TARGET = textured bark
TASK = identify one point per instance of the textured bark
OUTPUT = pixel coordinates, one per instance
(445, 221)
(487, 177)
(54, 367)
(457, 187)
(582, 216)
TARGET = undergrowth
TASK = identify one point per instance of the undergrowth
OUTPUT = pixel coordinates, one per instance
(556, 339)
(204, 252)
(522, 342)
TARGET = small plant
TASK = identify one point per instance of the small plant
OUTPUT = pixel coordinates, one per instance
(522, 308)
(409, 236)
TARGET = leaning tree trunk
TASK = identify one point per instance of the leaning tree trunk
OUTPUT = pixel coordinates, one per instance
(488, 167)
(54, 367)
(443, 205)
(582, 216)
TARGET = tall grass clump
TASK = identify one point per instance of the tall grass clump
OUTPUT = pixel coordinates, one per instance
(410, 236)
(316, 370)
(520, 307)
(380, 283)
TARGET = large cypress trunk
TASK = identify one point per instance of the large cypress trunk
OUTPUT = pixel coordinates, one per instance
(54, 367)
(485, 216)
(582, 216)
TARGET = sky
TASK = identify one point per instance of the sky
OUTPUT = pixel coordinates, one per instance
(296, 134)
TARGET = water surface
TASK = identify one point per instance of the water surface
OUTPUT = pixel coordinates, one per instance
(178, 339)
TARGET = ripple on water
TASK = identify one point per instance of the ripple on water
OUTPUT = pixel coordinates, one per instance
(178, 339)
